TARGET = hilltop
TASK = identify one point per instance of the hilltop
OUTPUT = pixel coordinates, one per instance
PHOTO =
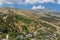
(31, 24)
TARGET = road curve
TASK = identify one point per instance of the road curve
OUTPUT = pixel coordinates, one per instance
(57, 27)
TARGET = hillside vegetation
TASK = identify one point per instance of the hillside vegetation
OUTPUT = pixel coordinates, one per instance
(28, 25)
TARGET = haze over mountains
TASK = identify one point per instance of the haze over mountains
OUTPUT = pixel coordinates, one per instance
(39, 23)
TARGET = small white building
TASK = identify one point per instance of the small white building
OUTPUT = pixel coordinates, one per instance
(7, 36)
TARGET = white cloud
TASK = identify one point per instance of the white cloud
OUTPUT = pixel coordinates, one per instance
(38, 7)
(1, 2)
(27, 1)
(10, 2)
(58, 1)
(38, 1)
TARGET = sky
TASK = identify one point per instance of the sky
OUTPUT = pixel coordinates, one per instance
(31, 4)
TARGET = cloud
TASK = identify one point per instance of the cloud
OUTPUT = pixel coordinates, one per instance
(24, 1)
(58, 1)
(38, 1)
(38, 7)
(27, 1)
(1, 2)
(10, 2)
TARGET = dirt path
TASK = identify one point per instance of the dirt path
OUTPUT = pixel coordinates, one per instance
(57, 27)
